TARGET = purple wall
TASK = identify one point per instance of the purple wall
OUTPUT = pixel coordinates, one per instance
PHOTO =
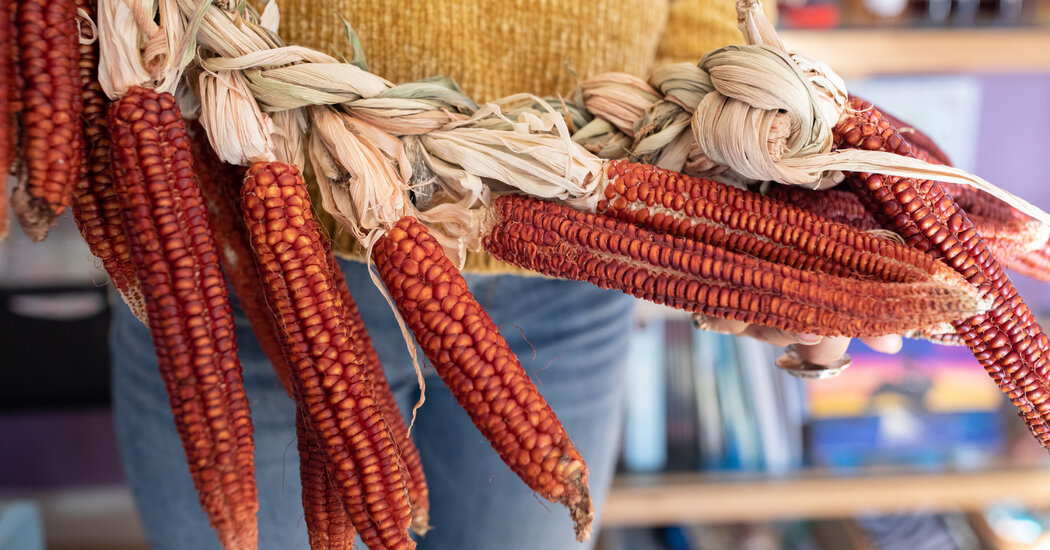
(1014, 151)
(60, 448)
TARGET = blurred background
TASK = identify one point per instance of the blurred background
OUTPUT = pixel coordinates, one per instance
(720, 449)
(912, 451)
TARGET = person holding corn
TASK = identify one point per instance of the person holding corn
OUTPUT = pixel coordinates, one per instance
(573, 341)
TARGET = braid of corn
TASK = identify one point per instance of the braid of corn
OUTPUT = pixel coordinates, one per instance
(736, 219)
(558, 241)
(188, 307)
(418, 493)
(327, 521)
(330, 379)
(48, 41)
(97, 207)
(470, 355)
(1006, 340)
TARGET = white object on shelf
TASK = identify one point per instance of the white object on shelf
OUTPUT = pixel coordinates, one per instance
(645, 439)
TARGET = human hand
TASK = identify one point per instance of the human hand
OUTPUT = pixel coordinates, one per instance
(815, 350)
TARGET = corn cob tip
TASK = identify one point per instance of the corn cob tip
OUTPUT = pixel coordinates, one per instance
(975, 302)
(34, 214)
(581, 510)
(420, 522)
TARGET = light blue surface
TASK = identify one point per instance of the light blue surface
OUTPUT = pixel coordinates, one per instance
(20, 526)
(580, 337)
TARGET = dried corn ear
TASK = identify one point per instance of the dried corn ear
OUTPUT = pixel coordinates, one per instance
(470, 355)
(329, 377)
(187, 303)
(685, 274)
(52, 140)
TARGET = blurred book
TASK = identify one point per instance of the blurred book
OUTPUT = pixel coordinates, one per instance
(683, 430)
(928, 405)
(750, 413)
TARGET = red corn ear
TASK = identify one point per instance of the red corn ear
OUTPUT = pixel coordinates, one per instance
(922, 144)
(735, 219)
(329, 377)
(837, 205)
(1006, 340)
(48, 42)
(1007, 235)
(470, 355)
(1034, 264)
(220, 184)
(977, 202)
(327, 522)
(97, 207)
(188, 307)
(561, 242)
(418, 493)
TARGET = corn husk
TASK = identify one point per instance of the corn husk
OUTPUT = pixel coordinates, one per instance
(684, 84)
(601, 138)
(287, 136)
(371, 196)
(135, 51)
(537, 156)
(620, 98)
(238, 131)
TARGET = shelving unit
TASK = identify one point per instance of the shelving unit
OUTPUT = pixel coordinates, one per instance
(710, 498)
(857, 53)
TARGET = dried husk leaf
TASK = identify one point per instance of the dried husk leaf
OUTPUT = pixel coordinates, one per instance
(373, 194)
(684, 84)
(601, 138)
(237, 130)
(620, 98)
(288, 128)
(528, 157)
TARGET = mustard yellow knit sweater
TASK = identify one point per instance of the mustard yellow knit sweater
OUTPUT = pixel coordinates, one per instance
(494, 48)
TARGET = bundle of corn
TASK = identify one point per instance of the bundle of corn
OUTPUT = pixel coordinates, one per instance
(419, 174)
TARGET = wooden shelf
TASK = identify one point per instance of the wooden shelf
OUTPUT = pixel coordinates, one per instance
(870, 52)
(704, 498)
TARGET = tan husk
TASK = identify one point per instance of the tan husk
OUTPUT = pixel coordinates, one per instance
(238, 131)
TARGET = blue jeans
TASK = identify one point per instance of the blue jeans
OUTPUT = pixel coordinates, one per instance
(574, 344)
